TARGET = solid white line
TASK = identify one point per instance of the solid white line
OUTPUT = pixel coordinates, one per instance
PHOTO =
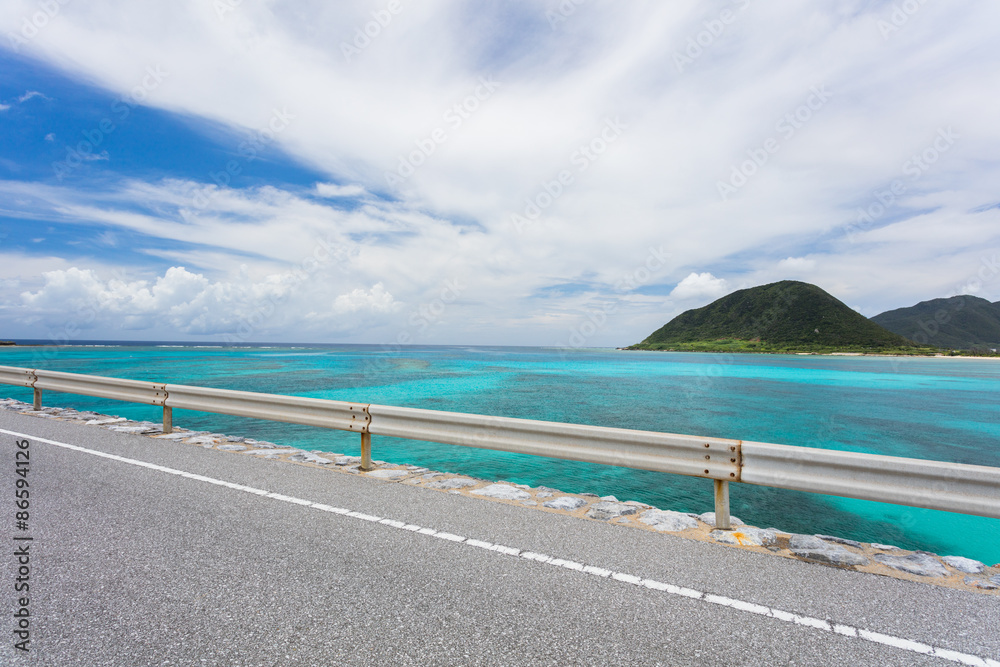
(711, 598)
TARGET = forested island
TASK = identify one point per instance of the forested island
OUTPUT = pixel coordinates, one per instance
(783, 317)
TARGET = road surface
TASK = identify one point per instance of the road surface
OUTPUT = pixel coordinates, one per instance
(168, 554)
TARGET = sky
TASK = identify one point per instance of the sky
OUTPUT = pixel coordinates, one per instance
(568, 173)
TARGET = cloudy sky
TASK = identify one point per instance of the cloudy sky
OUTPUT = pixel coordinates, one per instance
(569, 173)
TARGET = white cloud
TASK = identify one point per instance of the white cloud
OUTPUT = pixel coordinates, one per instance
(376, 300)
(25, 97)
(95, 157)
(31, 94)
(796, 265)
(700, 286)
(189, 303)
(334, 191)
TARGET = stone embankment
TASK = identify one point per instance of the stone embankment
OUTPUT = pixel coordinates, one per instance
(883, 559)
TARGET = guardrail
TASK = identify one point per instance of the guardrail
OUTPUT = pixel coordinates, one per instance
(953, 487)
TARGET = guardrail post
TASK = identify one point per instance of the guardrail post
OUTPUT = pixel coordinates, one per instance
(366, 452)
(38, 399)
(168, 419)
(722, 505)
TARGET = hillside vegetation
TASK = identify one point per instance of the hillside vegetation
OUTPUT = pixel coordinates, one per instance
(787, 316)
(960, 323)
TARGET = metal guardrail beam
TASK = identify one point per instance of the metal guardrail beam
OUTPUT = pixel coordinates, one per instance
(19, 377)
(953, 487)
(337, 415)
(132, 391)
(714, 458)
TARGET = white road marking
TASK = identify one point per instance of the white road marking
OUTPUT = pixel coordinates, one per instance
(711, 598)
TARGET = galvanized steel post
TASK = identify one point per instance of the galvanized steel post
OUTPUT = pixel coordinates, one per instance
(366, 452)
(168, 419)
(38, 398)
(722, 505)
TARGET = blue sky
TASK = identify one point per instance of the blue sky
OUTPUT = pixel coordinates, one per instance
(537, 173)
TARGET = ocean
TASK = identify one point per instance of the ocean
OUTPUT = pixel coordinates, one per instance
(945, 409)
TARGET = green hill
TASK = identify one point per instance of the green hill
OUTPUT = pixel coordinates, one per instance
(787, 316)
(958, 323)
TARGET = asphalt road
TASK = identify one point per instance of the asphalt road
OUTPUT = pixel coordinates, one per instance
(132, 565)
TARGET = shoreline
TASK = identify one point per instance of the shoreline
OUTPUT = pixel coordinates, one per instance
(831, 551)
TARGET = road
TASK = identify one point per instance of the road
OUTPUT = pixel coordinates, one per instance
(132, 563)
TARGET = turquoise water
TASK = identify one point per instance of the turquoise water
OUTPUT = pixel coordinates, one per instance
(943, 409)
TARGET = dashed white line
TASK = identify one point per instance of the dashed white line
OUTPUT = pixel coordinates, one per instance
(711, 598)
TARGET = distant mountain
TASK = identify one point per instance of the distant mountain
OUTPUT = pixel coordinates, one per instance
(958, 323)
(786, 316)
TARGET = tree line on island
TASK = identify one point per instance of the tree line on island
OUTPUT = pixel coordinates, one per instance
(797, 317)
